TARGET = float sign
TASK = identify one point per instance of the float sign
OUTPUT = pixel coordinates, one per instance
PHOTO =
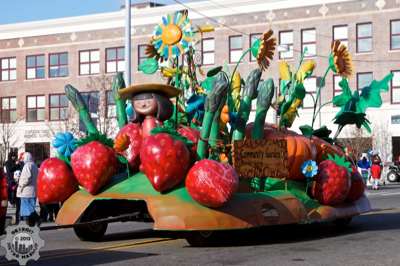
(261, 158)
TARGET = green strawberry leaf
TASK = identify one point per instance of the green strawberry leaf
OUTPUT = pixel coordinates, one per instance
(306, 130)
(96, 137)
(173, 133)
(64, 158)
(341, 161)
(122, 159)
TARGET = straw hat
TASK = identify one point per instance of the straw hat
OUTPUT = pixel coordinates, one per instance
(167, 90)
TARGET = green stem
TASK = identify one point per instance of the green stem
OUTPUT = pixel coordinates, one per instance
(319, 108)
(119, 83)
(205, 132)
(340, 127)
(244, 113)
(237, 65)
(318, 93)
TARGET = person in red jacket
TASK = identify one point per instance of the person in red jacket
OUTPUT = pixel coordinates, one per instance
(3, 201)
(376, 170)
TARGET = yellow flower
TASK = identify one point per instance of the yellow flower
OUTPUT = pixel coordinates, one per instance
(284, 70)
(236, 86)
(340, 60)
(206, 28)
(263, 49)
(305, 70)
(168, 72)
(291, 113)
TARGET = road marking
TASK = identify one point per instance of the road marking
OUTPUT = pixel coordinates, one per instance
(99, 249)
(385, 194)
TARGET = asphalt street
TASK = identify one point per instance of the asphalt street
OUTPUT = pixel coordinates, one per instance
(371, 239)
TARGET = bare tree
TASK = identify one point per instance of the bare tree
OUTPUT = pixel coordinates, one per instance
(7, 132)
(106, 123)
(358, 142)
(382, 141)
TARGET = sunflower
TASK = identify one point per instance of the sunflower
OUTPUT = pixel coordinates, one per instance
(263, 49)
(151, 52)
(305, 70)
(173, 36)
(340, 60)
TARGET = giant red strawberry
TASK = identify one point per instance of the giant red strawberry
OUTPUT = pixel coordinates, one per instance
(132, 154)
(332, 183)
(55, 182)
(357, 186)
(193, 135)
(165, 161)
(211, 183)
(93, 165)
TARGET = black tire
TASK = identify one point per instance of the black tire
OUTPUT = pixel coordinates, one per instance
(201, 238)
(2, 225)
(343, 222)
(90, 232)
(392, 176)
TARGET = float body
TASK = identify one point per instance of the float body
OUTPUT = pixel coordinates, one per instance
(177, 211)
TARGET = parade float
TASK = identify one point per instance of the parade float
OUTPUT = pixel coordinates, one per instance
(187, 158)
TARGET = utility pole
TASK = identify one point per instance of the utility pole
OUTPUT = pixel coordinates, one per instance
(128, 42)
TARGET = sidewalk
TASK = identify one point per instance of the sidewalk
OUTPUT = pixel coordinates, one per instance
(10, 216)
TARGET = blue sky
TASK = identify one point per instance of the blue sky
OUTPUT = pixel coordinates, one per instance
(13, 11)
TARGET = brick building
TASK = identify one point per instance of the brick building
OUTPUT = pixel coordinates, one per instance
(37, 59)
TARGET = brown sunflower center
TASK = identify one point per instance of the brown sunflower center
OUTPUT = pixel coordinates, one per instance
(171, 34)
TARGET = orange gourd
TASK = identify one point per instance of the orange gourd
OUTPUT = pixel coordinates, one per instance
(300, 148)
(324, 149)
(121, 143)
(225, 114)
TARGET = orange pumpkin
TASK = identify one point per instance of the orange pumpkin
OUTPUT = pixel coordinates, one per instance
(300, 148)
(324, 149)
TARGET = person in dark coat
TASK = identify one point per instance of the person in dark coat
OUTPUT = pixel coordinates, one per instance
(10, 167)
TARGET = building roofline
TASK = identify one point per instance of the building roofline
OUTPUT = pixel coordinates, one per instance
(148, 16)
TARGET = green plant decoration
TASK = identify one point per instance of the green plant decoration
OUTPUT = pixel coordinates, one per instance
(96, 137)
(341, 161)
(354, 105)
(117, 84)
(249, 94)
(264, 99)
(79, 105)
(149, 66)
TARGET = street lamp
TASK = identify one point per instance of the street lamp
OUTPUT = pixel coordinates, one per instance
(127, 42)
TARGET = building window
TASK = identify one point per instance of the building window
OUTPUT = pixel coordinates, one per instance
(115, 59)
(58, 107)
(310, 84)
(89, 62)
(110, 103)
(35, 110)
(92, 102)
(235, 48)
(35, 67)
(364, 79)
(395, 34)
(336, 88)
(141, 54)
(340, 32)
(8, 69)
(254, 37)
(8, 109)
(364, 37)
(309, 41)
(286, 44)
(58, 65)
(208, 51)
(395, 87)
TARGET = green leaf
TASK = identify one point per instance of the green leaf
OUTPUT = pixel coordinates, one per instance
(299, 91)
(322, 132)
(64, 158)
(371, 95)
(306, 130)
(122, 159)
(149, 66)
(173, 133)
(255, 47)
(341, 161)
(345, 96)
(96, 137)
(349, 118)
(214, 71)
